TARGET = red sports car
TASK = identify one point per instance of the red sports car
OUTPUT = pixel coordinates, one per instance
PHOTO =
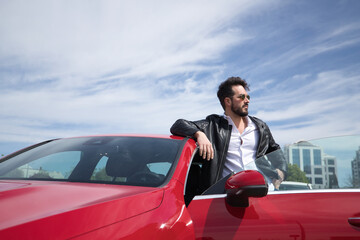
(146, 187)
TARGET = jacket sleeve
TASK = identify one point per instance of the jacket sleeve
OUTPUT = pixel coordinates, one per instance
(273, 146)
(275, 158)
(187, 128)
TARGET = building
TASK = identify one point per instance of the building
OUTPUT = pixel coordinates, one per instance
(355, 167)
(330, 166)
(319, 168)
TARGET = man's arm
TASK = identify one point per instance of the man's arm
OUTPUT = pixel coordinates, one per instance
(195, 129)
(184, 128)
(278, 162)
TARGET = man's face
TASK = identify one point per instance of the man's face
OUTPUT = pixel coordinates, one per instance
(240, 101)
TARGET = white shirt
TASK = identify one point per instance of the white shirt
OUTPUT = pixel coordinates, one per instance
(241, 154)
(242, 147)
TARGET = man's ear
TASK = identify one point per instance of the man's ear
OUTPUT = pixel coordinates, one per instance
(227, 101)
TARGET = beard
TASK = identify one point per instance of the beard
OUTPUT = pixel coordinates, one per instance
(240, 111)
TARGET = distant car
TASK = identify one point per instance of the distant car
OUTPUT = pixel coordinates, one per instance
(290, 185)
(146, 187)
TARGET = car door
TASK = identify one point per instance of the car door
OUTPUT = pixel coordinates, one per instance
(319, 213)
(287, 215)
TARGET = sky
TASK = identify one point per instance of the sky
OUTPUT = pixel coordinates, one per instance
(74, 68)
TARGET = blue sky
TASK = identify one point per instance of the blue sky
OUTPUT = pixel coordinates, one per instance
(70, 68)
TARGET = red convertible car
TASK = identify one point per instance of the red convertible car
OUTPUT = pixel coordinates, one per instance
(146, 187)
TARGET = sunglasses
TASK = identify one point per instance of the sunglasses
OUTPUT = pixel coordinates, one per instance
(242, 96)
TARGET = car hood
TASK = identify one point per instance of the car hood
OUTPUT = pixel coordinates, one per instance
(28, 201)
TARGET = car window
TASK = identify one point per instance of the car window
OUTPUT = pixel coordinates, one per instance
(138, 161)
(99, 173)
(327, 163)
(53, 166)
(159, 167)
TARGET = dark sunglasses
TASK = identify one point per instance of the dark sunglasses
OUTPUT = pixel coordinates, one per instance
(242, 96)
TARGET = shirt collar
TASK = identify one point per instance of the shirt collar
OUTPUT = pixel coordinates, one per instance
(251, 124)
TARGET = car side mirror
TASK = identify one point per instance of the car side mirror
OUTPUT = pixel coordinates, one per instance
(240, 186)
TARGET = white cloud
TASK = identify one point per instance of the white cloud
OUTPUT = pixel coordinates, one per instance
(324, 107)
(137, 38)
(86, 67)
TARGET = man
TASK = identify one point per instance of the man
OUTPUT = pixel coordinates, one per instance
(231, 143)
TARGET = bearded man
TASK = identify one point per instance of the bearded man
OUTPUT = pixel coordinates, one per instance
(232, 142)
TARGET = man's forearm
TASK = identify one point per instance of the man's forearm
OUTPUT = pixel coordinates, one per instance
(184, 128)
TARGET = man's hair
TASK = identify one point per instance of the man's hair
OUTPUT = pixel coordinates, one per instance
(225, 88)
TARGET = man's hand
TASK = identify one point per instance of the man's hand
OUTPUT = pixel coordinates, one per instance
(277, 182)
(206, 150)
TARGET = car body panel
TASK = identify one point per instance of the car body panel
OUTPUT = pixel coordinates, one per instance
(39, 202)
(281, 216)
(184, 162)
(170, 221)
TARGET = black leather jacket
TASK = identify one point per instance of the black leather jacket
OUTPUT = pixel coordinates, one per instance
(218, 131)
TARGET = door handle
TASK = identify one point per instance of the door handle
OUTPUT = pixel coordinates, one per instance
(355, 221)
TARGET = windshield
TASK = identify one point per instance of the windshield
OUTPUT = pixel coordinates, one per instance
(114, 160)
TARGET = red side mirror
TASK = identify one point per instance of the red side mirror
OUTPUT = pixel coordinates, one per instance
(243, 185)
